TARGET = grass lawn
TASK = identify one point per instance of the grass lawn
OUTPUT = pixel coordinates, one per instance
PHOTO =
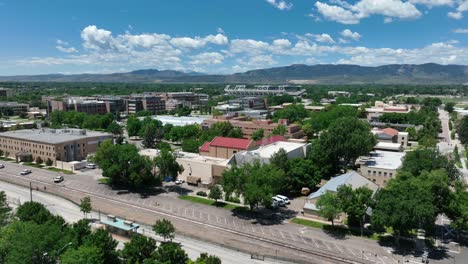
(104, 180)
(60, 170)
(33, 165)
(335, 229)
(6, 159)
(206, 201)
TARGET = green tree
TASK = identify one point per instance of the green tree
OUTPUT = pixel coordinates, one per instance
(207, 259)
(449, 107)
(300, 173)
(5, 210)
(164, 228)
(49, 162)
(85, 205)
(167, 165)
(102, 240)
(133, 126)
(149, 135)
(163, 146)
(293, 113)
(39, 160)
(404, 205)
(258, 134)
(355, 203)
(280, 130)
(83, 255)
(329, 206)
(79, 231)
(170, 252)
(415, 162)
(138, 249)
(115, 129)
(279, 159)
(215, 193)
(235, 133)
(33, 211)
(191, 145)
(345, 140)
(457, 207)
(462, 130)
(124, 166)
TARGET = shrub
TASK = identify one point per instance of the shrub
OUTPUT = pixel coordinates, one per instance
(233, 199)
(39, 160)
(202, 193)
(49, 162)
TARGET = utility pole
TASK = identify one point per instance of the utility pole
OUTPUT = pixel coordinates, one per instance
(30, 191)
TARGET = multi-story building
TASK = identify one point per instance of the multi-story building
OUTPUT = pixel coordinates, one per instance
(250, 102)
(381, 108)
(55, 144)
(144, 102)
(380, 166)
(390, 139)
(263, 90)
(249, 127)
(114, 104)
(13, 108)
(6, 92)
(88, 105)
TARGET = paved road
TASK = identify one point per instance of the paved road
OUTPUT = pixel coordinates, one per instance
(71, 213)
(255, 235)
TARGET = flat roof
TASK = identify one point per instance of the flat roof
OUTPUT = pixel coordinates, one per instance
(388, 145)
(199, 158)
(120, 224)
(180, 120)
(385, 159)
(53, 136)
(268, 150)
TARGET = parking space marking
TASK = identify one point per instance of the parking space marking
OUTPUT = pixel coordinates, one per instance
(281, 233)
(339, 248)
(316, 245)
(326, 245)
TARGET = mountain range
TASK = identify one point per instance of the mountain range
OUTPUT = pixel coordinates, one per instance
(429, 73)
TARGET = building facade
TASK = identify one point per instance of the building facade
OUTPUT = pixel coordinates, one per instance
(13, 108)
(380, 166)
(55, 144)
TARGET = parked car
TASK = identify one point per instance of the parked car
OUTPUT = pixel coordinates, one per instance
(278, 201)
(58, 179)
(284, 198)
(179, 181)
(25, 172)
(2, 166)
(90, 166)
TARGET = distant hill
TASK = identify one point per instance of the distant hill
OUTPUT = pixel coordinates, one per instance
(429, 73)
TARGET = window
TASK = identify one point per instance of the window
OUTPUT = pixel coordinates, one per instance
(369, 172)
(380, 173)
(391, 174)
(385, 174)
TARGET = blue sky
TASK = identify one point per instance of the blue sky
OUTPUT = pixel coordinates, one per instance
(226, 36)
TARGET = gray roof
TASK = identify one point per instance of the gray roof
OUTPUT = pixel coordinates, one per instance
(350, 178)
(54, 136)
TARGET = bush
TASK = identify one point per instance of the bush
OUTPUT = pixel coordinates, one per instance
(39, 160)
(202, 193)
(49, 162)
(233, 199)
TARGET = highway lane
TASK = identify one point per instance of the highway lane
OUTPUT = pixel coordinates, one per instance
(71, 213)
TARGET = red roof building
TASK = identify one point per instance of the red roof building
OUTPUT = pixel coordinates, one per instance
(224, 147)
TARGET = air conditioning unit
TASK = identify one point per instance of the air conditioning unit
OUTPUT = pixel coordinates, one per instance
(111, 218)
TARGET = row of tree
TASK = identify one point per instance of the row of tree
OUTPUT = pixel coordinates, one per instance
(59, 119)
(124, 166)
(33, 235)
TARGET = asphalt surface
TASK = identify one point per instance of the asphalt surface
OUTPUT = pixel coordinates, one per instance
(211, 224)
(71, 213)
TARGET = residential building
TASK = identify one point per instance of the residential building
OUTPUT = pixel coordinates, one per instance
(249, 127)
(55, 144)
(264, 152)
(13, 108)
(263, 90)
(380, 166)
(351, 178)
(224, 147)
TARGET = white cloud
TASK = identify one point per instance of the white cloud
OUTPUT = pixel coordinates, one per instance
(433, 3)
(324, 38)
(197, 42)
(455, 15)
(336, 13)
(345, 13)
(96, 39)
(248, 46)
(66, 49)
(461, 30)
(348, 34)
(207, 58)
(281, 5)
(458, 13)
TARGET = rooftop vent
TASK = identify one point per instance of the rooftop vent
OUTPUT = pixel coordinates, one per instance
(111, 218)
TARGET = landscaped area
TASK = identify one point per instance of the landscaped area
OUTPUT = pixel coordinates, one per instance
(201, 200)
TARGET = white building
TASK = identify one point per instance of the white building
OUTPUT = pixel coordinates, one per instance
(264, 153)
(380, 166)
